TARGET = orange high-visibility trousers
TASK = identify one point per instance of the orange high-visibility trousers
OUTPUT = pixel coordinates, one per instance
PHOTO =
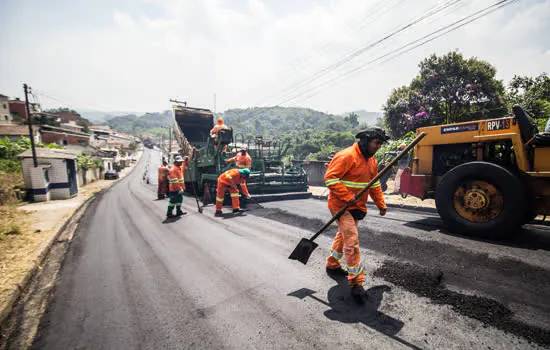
(346, 243)
(235, 195)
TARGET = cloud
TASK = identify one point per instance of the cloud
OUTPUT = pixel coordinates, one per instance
(250, 52)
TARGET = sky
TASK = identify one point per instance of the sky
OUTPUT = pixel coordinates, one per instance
(135, 55)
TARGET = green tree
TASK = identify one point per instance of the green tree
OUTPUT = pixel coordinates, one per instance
(533, 94)
(353, 119)
(448, 89)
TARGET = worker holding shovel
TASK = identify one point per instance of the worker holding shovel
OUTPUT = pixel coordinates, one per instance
(348, 173)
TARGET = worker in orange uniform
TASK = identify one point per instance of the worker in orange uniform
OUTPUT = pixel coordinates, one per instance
(162, 188)
(216, 129)
(177, 186)
(349, 171)
(242, 159)
(229, 180)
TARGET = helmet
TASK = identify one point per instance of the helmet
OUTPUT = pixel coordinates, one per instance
(373, 133)
(402, 146)
(220, 121)
(245, 171)
(178, 159)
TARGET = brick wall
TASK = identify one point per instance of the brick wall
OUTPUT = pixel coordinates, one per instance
(51, 137)
(18, 108)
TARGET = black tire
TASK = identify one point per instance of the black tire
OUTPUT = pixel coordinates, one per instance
(510, 215)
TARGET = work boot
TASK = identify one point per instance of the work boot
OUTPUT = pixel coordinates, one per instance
(170, 215)
(219, 213)
(338, 272)
(237, 211)
(358, 293)
(179, 212)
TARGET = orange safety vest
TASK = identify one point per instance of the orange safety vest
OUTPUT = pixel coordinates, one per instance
(217, 128)
(241, 161)
(163, 172)
(176, 179)
(347, 174)
(232, 178)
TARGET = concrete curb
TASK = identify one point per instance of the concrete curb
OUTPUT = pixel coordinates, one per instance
(398, 206)
(5, 310)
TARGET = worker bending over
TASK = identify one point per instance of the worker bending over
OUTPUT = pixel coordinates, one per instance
(349, 171)
(229, 181)
(242, 159)
(177, 186)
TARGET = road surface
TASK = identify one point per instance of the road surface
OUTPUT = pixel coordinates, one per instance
(132, 280)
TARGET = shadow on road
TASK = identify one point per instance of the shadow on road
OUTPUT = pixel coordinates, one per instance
(232, 215)
(171, 220)
(344, 309)
(529, 237)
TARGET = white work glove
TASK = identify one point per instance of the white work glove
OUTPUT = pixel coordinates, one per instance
(248, 197)
(180, 192)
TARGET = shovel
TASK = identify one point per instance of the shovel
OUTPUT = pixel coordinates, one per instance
(305, 247)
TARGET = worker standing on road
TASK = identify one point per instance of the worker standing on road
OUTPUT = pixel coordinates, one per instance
(177, 186)
(242, 159)
(163, 172)
(349, 171)
(229, 180)
(402, 164)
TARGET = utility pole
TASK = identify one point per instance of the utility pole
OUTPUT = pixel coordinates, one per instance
(26, 88)
(170, 145)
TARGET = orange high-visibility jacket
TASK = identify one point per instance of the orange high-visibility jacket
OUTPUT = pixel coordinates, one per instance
(217, 128)
(241, 161)
(232, 178)
(347, 174)
(175, 178)
(163, 173)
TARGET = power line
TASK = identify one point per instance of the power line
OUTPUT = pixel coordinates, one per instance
(398, 52)
(316, 76)
(320, 50)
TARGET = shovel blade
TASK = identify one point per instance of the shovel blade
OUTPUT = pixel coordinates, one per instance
(303, 250)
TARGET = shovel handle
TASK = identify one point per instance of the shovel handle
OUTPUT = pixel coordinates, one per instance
(369, 185)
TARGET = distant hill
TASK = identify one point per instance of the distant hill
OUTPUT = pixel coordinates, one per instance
(366, 117)
(148, 123)
(281, 121)
(100, 116)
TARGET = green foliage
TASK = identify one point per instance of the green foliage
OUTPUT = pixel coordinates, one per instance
(448, 89)
(393, 145)
(9, 150)
(152, 123)
(533, 94)
(352, 119)
(84, 162)
(313, 134)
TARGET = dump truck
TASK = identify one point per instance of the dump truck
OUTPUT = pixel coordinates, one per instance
(488, 177)
(270, 178)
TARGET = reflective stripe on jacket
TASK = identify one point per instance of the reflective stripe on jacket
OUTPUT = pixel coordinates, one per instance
(347, 174)
(176, 179)
(232, 178)
(163, 172)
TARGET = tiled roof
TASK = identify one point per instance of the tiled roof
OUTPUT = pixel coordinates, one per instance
(49, 153)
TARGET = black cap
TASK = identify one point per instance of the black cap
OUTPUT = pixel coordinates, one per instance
(374, 132)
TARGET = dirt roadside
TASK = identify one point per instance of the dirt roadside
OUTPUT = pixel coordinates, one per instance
(31, 230)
